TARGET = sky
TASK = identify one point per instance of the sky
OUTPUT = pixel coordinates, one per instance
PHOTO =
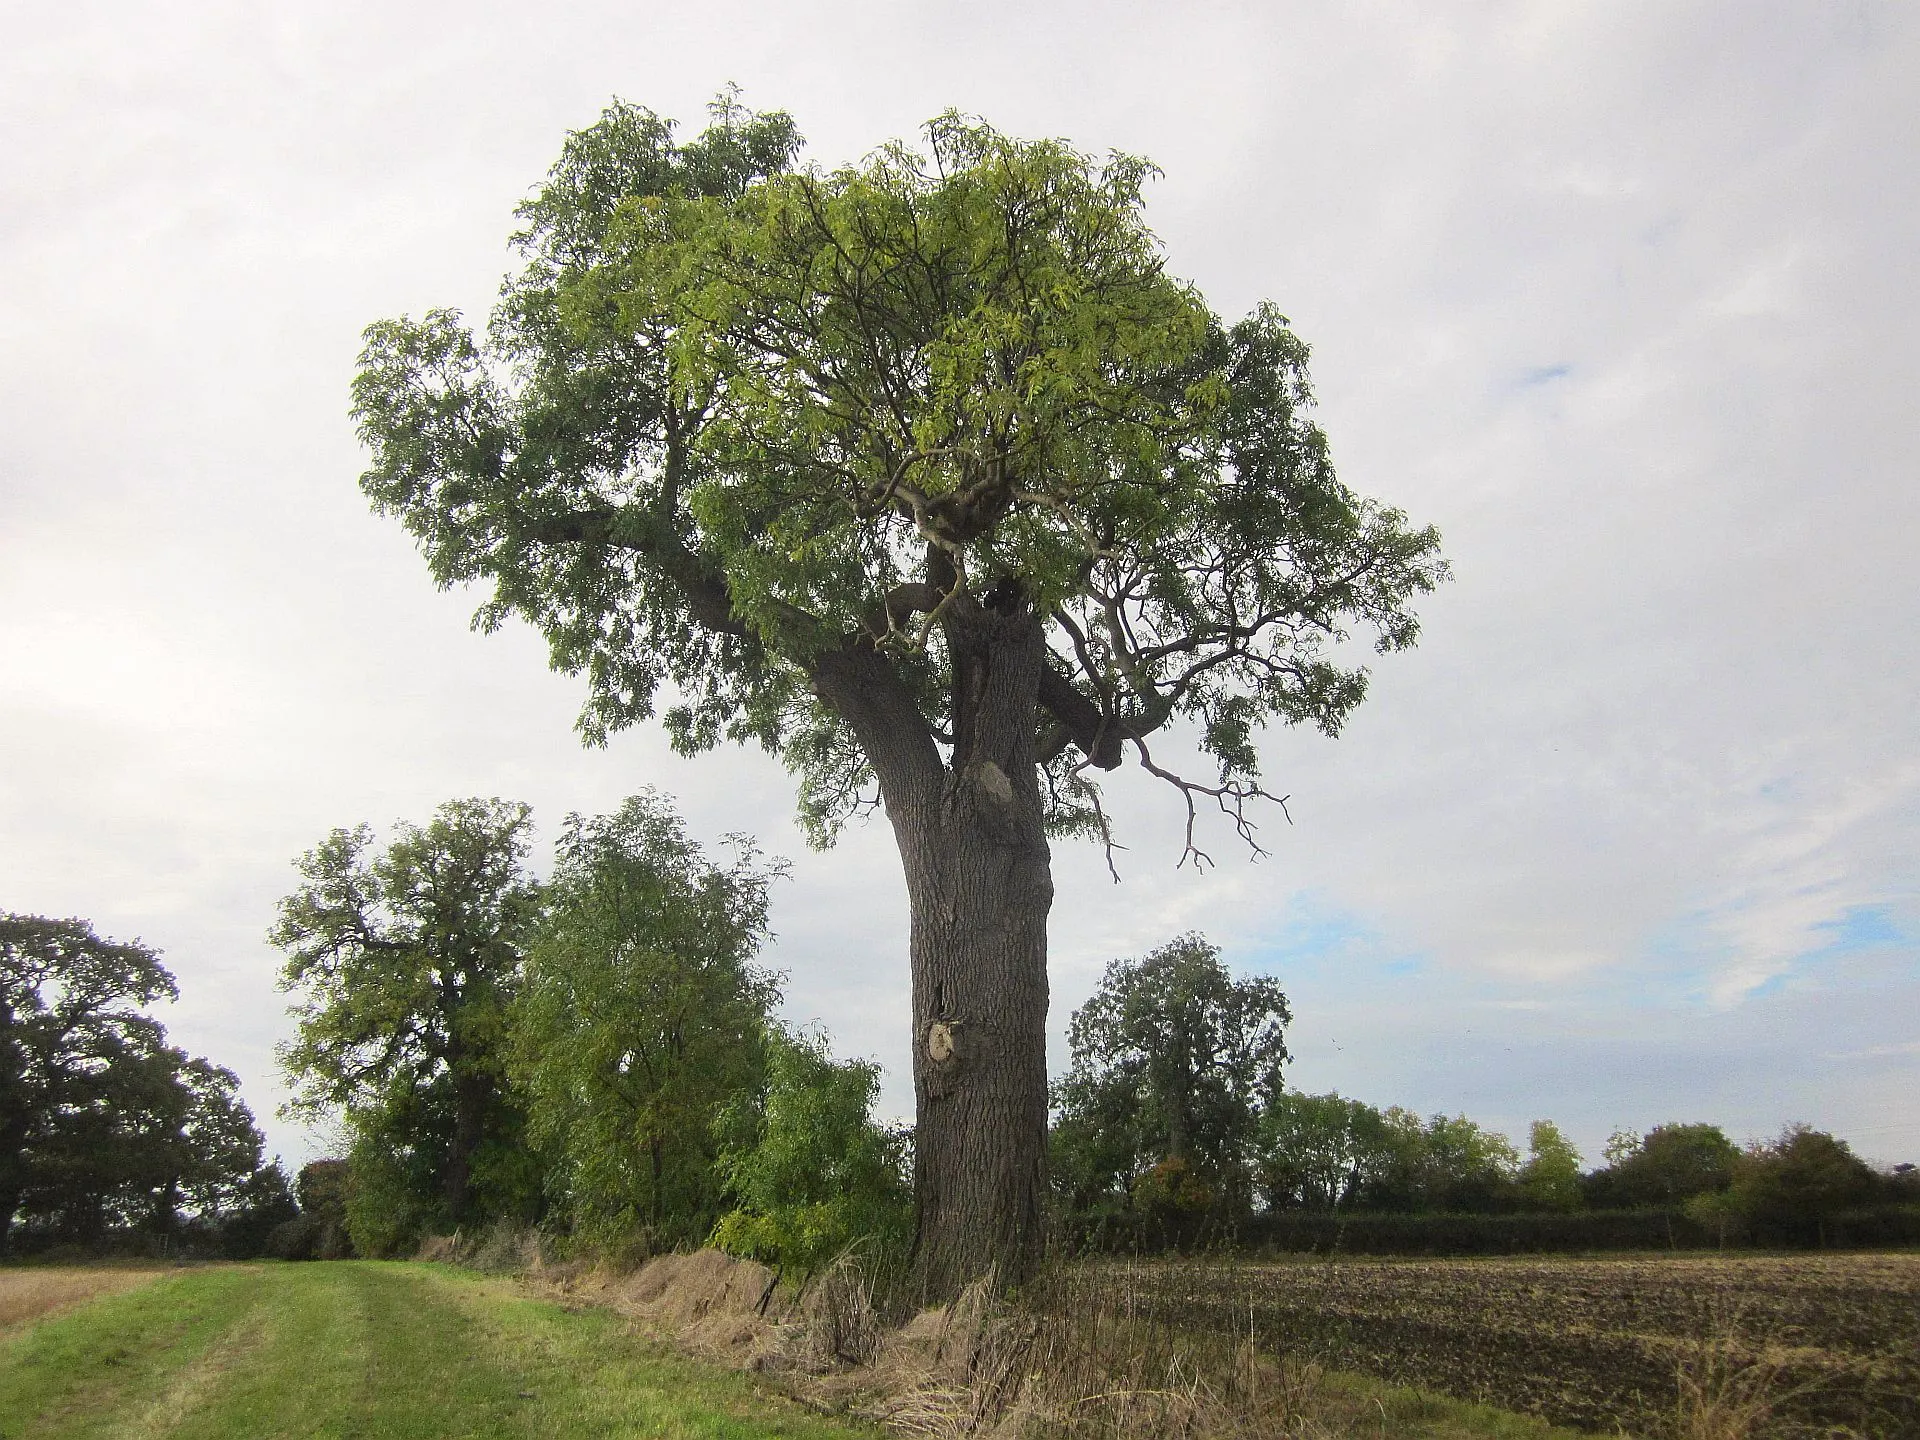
(1619, 296)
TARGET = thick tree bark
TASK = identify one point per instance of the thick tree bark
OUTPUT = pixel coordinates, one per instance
(980, 885)
(472, 1097)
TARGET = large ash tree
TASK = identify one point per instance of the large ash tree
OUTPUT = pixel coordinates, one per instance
(926, 476)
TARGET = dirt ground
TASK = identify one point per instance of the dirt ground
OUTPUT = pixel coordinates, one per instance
(29, 1292)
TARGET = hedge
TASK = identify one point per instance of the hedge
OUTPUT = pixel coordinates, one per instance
(1364, 1233)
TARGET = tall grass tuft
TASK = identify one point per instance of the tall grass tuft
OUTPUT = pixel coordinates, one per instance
(1725, 1392)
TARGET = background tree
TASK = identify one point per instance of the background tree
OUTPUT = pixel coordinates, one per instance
(404, 961)
(1550, 1180)
(1445, 1163)
(641, 1017)
(1318, 1151)
(1183, 1054)
(70, 1009)
(1664, 1168)
(925, 475)
(809, 1170)
(319, 1230)
(1095, 1148)
(1793, 1187)
(105, 1126)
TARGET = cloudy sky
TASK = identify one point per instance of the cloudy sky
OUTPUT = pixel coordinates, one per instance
(1620, 296)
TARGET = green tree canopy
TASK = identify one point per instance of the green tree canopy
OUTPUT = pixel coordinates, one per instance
(925, 474)
(642, 1016)
(1665, 1167)
(1550, 1180)
(1445, 1163)
(1318, 1151)
(403, 961)
(1182, 1055)
(104, 1124)
(1792, 1187)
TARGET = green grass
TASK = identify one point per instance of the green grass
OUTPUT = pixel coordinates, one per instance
(355, 1349)
(1362, 1405)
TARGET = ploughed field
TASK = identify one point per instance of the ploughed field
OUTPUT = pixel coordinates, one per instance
(1595, 1343)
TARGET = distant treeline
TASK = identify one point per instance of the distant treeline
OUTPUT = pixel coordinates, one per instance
(1173, 1128)
(598, 1054)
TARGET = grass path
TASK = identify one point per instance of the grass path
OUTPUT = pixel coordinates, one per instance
(356, 1349)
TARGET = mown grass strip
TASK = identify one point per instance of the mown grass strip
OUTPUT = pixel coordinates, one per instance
(588, 1376)
(366, 1350)
(88, 1371)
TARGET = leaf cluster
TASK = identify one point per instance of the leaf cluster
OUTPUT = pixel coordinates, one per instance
(1172, 1058)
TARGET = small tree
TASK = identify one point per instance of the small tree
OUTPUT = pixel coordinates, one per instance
(1183, 1055)
(404, 961)
(926, 475)
(809, 1170)
(1550, 1180)
(642, 1016)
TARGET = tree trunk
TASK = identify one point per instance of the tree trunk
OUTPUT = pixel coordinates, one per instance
(980, 885)
(472, 1096)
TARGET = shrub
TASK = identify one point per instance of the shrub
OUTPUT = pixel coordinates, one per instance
(808, 1169)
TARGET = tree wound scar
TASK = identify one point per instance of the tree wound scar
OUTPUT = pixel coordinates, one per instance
(939, 1042)
(994, 783)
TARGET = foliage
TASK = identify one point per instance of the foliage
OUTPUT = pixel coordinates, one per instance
(920, 472)
(1172, 1059)
(1318, 1152)
(318, 1230)
(1550, 1180)
(403, 962)
(1665, 1167)
(733, 416)
(264, 1203)
(1173, 1185)
(105, 1125)
(1798, 1183)
(641, 1017)
(809, 1170)
(1446, 1163)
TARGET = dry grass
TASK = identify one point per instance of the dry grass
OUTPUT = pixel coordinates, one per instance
(1071, 1361)
(1075, 1358)
(1725, 1395)
(28, 1293)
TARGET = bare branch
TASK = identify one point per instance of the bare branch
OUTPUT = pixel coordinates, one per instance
(1230, 795)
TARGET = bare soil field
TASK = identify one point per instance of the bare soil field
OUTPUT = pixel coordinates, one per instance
(1600, 1343)
(29, 1292)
